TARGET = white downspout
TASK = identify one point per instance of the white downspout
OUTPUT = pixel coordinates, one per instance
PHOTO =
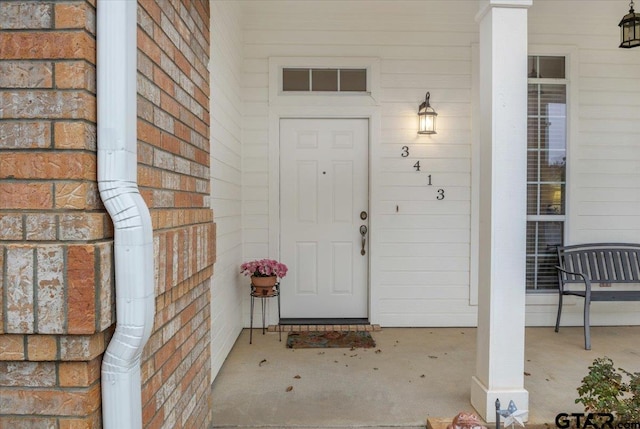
(133, 238)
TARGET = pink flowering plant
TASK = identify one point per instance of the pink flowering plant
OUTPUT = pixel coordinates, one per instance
(264, 268)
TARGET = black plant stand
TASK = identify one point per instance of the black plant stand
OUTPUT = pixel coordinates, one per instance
(262, 299)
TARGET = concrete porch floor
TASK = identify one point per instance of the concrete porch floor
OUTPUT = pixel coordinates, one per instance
(412, 374)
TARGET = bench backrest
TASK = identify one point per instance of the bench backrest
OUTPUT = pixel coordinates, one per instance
(601, 262)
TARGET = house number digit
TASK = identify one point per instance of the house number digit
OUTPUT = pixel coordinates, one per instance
(405, 151)
(417, 166)
(440, 194)
(430, 180)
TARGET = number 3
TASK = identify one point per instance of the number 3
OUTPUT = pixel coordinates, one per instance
(405, 151)
(440, 194)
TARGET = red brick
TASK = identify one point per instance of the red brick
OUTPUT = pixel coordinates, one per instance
(20, 316)
(149, 176)
(170, 105)
(79, 374)
(41, 226)
(77, 195)
(26, 15)
(12, 347)
(156, 422)
(27, 374)
(78, 402)
(164, 81)
(82, 226)
(48, 45)
(183, 63)
(73, 15)
(30, 104)
(48, 165)
(11, 422)
(50, 311)
(148, 46)
(82, 347)
(26, 74)
(21, 195)
(182, 132)
(148, 133)
(24, 135)
(169, 143)
(81, 293)
(76, 75)
(11, 226)
(152, 8)
(42, 348)
(94, 421)
(74, 135)
(164, 353)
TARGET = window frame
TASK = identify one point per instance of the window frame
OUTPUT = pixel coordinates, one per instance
(318, 98)
(570, 53)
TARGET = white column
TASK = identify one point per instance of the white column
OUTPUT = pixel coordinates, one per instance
(503, 133)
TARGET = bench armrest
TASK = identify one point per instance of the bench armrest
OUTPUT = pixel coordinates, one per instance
(585, 279)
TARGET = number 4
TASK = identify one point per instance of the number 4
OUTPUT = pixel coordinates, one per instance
(417, 166)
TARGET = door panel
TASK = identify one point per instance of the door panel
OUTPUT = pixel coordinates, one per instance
(323, 189)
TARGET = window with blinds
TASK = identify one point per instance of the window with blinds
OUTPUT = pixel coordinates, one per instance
(546, 168)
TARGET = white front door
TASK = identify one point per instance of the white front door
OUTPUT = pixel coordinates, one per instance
(323, 198)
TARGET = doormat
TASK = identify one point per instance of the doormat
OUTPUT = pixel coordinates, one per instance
(330, 339)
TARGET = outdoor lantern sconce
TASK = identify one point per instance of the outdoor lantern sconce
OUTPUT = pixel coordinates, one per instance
(630, 29)
(426, 117)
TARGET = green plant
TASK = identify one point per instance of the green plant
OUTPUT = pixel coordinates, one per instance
(603, 390)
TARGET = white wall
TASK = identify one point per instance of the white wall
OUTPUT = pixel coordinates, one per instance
(421, 273)
(604, 146)
(226, 177)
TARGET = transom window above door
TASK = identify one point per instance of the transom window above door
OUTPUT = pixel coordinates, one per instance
(324, 80)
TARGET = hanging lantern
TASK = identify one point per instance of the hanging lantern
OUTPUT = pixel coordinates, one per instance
(426, 117)
(630, 29)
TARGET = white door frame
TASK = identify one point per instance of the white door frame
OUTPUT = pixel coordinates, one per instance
(321, 106)
(372, 113)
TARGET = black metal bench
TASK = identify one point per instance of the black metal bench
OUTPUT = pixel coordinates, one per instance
(598, 263)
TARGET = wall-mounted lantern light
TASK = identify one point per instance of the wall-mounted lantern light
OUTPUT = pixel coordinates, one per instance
(630, 29)
(426, 117)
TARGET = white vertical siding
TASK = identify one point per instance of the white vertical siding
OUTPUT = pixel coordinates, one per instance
(226, 177)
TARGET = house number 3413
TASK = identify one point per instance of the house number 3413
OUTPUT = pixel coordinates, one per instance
(405, 154)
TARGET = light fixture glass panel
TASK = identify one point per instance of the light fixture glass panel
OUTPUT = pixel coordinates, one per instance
(295, 79)
(353, 80)
(324, 80)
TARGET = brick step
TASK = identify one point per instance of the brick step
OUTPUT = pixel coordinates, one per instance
(324, 328)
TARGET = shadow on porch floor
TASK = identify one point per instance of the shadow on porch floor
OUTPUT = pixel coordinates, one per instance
(411, 375)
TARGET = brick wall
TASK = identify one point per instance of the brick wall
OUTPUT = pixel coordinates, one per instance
(56, 240)
(173, 156)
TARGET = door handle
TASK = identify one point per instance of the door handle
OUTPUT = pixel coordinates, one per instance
(363, 233)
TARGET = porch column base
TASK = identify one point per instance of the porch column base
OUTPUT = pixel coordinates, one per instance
(484, 400)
